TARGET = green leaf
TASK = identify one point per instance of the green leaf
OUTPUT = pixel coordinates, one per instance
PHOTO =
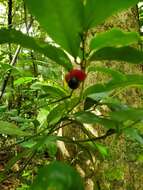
(23, 80)
(11, 129)
(114, 37)
(91, 118)
(97, 11)
(52, 52)
(114, 73)
(53, 91)
(132, 114)
(56, 114)
(61, 19)
(50, 145)
(58, 176)
(94, 146)
(133, 134)
(102, 149)
(129, 80)
(127, 54)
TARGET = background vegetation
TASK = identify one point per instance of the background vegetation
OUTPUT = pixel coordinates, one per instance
(54, 137)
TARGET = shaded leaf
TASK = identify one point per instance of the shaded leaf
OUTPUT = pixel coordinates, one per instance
(127, 54)
(91, 118)
(114, 73)
(129, 80)
(52, 52)
(56, 114)
(59, 176)
(133, 134)
(114, 37)
(11, 129)
(53, 91)
(132, 114)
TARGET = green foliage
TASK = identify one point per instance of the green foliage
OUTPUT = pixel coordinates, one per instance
(58, 176)
(114, 38)
(54, 53)
(37, 102)
(11, 129)
(126, 54)
(96, 12)
(62, 20)
(124, 82)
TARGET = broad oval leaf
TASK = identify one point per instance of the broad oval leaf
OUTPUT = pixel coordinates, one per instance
(97, 11)
(58, 176)
(132, 114)
(52, 91)
(133, 134)
(114, 37)
(91, 118)
(61, 19)
(127, 54)
(52, 52)
(23, 80)
(114, 73)
(128, 80)
(56, 114)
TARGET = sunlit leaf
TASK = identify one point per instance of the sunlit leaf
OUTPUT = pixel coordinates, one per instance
(114, 38)
(97, 11)
(61, 19)
(23, 80)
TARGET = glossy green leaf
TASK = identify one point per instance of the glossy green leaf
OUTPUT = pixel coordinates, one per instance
(57, 176)
(102, 149)
(91, 118)
(52, 52)
(132, 114)
(114, 38)
(23, 80)
(56, 114)
(97, 11)
(61, 19)
(11, 129)
(114, 73)
(133, 134)
(129, 80)
(53, 91)
(127, 54)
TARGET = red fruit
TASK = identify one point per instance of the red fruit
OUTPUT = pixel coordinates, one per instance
(74, 77)
(79, 74)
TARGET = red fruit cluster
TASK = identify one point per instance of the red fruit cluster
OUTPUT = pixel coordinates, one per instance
(74, 77)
